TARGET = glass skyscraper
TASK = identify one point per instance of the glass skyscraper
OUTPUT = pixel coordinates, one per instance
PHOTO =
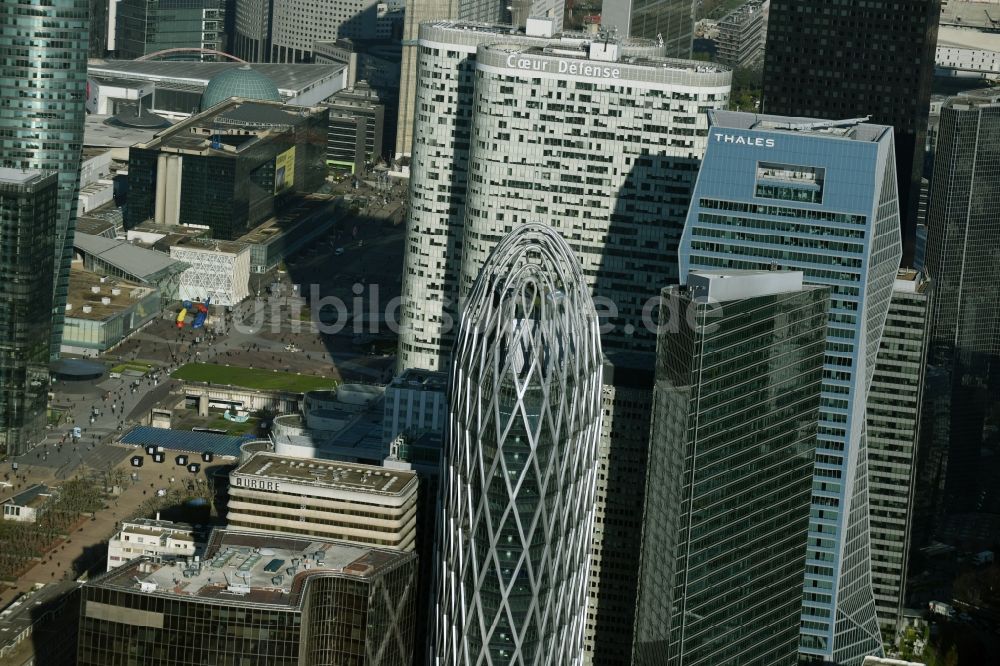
(735, 411)
(28, 213)
(963, 233)
(517, 495)
(820, 197)
(671, 20)
(147, 26)
(43, 82)
(849, 59)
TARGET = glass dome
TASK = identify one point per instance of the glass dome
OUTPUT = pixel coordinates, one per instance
(240, 82)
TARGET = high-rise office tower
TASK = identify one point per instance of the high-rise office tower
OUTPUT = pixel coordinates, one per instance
(600, 139)
(963, 225)
(147, 26)
(43, 81)
(420, 11)
(671, 20)
(28, 214)
(621, 483)
(739, 369)
(853, 59)
(417, 12)
(894, 410)
(517, 493)
(252, 30)
(821, 198)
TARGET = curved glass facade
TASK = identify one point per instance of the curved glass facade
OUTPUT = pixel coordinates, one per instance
(518, 489)
(43, 85)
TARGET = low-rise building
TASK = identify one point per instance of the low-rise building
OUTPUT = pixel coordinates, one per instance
(416, 402)
(742, 33)
(120, 259)
(157, 538)
(968, 40)
(27, 505)
(39, 627)
(174, 88)
(219, 270)
(363, 504)
(102, 311)
(255, 598)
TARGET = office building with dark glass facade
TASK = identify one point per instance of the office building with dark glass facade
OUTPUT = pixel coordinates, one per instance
(266, 600)
(43, 81)
(147, 26)
(739, 370)
(963, 233)
(797, 194)
(227, 169)
(671, 20)
(627, 397)
(28, 216)
(855, 59)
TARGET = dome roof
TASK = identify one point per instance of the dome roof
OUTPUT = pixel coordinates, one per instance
(239, 82)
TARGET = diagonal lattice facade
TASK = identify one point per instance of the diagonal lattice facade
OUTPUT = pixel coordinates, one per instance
(518, 485)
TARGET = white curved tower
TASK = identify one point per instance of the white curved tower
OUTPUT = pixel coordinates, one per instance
(518, 490)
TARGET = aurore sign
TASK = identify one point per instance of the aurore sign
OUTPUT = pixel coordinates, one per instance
(563, 67)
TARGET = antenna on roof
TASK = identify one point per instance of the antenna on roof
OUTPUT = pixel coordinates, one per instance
(827, 124)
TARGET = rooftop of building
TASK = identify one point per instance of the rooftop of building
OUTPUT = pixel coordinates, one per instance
(911, 280)
(22, 613)
(230, 127)
(416, 378)
(380, 47)
(568, 37)
(210, 245)
(99, 133)
(241, 568)
(32, 496)
(854, 129)
(965, 14)
(88, 292)
(140, 263)
(730, 285)
(284, 223)
(157, 527)
(595, 54)
(329, 474)
(184, 441)
(20, 176)
(156, 532)
(970, 99)
(103, 221)
(290, 79)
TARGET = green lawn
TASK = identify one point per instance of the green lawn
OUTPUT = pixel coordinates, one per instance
(137, 366)
(264, 380)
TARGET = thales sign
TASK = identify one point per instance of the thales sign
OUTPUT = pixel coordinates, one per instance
(749, 141)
